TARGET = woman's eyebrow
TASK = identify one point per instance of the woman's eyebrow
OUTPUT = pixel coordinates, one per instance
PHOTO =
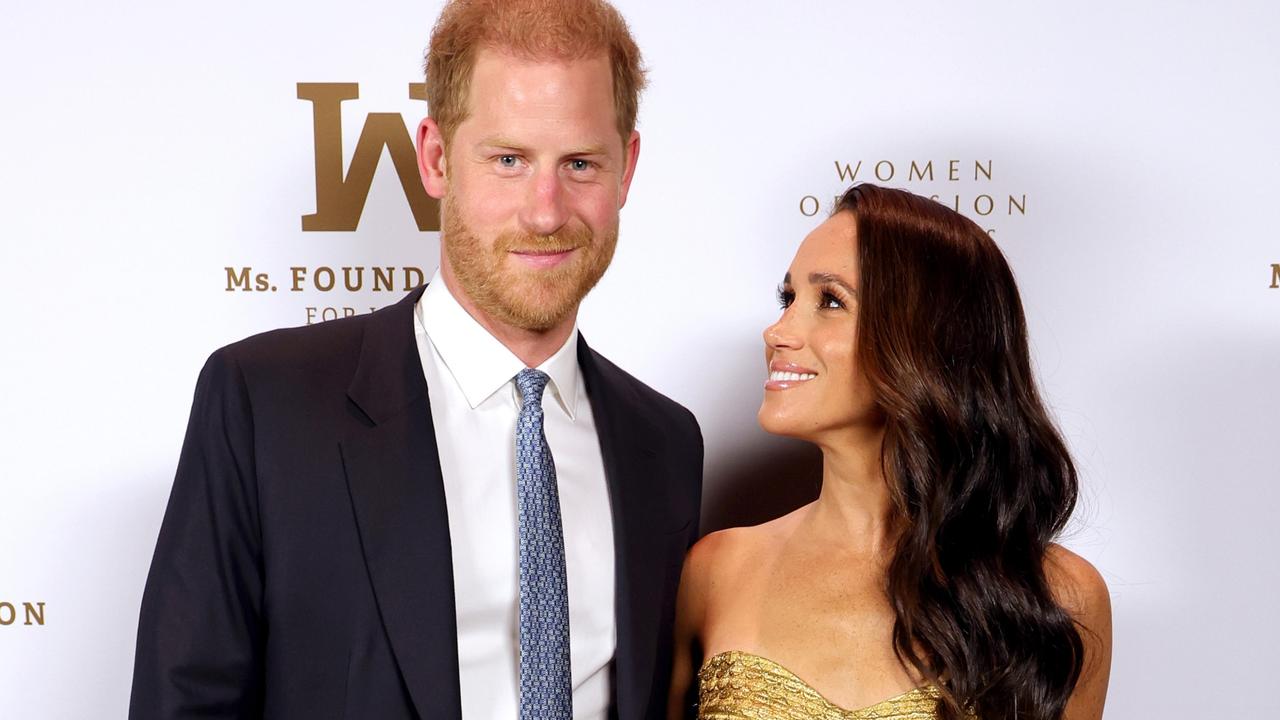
(823, 278)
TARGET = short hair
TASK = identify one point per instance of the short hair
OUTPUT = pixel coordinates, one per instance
(533, 29)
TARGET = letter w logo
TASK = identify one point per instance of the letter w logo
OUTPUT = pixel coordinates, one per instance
(340, 200)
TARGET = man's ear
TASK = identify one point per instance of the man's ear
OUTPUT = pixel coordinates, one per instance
(632, 153)
(431, 158)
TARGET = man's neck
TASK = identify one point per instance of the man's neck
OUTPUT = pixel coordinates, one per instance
(532, 347)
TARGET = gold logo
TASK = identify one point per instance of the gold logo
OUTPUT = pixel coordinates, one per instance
(340, 200)
(33, 614)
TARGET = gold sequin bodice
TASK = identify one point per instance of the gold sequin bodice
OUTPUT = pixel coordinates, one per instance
(737, 685)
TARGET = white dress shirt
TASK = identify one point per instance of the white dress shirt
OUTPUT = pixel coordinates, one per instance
(474, 405)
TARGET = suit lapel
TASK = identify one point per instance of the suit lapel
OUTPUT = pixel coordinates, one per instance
(397, 491)
(628, 444)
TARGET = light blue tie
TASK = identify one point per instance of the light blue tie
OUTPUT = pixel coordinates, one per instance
(546, 686)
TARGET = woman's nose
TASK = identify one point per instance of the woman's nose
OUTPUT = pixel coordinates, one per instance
(782, 333)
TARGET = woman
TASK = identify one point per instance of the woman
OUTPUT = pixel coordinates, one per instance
(924, 572)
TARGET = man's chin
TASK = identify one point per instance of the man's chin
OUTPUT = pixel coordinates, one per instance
(534, 297)
(540, 307)
(536, 300)
(526, 318)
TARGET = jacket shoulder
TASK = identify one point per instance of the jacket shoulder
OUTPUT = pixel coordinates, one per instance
(298, 345)
(292, 364)
(660, 406)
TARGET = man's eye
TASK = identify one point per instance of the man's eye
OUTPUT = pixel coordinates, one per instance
(579, 165)
(507, 161)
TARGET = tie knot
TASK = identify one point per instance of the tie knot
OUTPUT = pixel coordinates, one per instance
(531, 384)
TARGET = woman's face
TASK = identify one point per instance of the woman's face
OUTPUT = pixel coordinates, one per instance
(814, 388)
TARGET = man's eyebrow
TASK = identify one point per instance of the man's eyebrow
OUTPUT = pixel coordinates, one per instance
(498, 141)
(823, 278)
(589, 150)
(506, 143)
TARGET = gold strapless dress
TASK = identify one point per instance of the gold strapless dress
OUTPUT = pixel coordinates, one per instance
(737, 685)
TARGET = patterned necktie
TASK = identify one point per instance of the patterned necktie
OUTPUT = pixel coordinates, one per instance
(546, 687)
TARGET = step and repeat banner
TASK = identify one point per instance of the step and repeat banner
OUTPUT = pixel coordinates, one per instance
(175, 177)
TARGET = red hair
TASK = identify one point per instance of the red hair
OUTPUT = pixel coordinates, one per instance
(533, 29)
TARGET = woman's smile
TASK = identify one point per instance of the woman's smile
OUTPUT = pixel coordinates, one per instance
(786, 375)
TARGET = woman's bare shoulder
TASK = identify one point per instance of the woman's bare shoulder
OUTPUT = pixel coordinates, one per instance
(707, 567)
(716, 550)
(1077, 585)
(1079, 588)
(724, 554)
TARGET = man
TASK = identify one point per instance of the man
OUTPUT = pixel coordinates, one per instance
(452, 506)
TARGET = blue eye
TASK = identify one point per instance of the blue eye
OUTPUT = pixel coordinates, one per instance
(507, 161)
(579, 165)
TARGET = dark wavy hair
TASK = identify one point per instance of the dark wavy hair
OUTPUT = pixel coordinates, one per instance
(981, 479)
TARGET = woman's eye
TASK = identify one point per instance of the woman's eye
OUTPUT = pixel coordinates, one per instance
(831, 302)
(785, 298)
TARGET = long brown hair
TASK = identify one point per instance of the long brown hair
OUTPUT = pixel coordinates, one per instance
(981, 479)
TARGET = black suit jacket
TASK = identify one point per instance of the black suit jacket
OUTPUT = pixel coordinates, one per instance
(303, 569)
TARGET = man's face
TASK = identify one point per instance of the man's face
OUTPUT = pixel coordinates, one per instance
(532, 183)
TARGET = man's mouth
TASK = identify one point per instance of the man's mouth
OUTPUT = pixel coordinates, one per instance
(543, 257)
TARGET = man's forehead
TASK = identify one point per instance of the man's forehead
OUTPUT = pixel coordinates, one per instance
(500, 76)
(514, 101)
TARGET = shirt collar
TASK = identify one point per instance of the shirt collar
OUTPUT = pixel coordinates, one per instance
(479, 363)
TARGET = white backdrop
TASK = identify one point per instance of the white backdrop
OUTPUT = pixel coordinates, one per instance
(149, 146)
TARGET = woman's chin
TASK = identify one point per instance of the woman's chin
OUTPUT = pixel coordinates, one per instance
(779, 424)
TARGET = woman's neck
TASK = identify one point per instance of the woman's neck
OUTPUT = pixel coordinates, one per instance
(855, 504)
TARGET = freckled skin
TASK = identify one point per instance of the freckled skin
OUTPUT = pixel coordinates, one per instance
(816, 332)
(813, 600)
(807, 590)
(803, 590)
(538, 155)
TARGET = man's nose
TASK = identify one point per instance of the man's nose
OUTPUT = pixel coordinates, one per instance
(544, 210)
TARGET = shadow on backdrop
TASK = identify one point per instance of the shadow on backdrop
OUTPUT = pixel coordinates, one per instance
(770, 479)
